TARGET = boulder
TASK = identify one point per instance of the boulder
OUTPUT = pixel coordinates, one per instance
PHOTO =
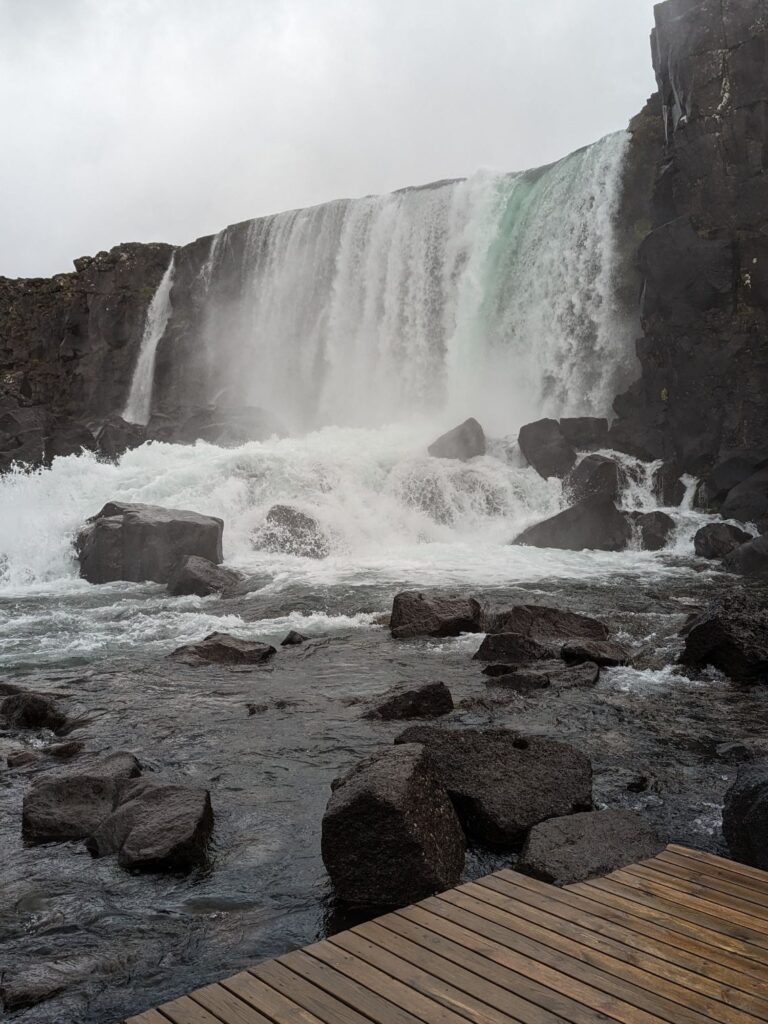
(116, 436)
(156, 827)
(571, 677)
(731, 635)
(223, 649)
(654, 529)
(463, 442)
(750, 559)
(514, 649)
(567, 850)
(293, 639)
(521, 680)
(65, 751)
(745, 816)
(716, 540)
(39, 980)
(31, 711)
(545, 623)
(429, 701)
(289, 531)
(596, 476)
(390, 835)
(68, 437)
(585, 433)
(667, 485)
(144, 542)
(731, 472)
(501, 783)
(418, 614)
(199, 576)
(546, 449)
(748, 501)
(604, 653)
(595, 524)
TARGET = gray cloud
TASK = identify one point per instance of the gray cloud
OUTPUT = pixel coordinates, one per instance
(142, 120)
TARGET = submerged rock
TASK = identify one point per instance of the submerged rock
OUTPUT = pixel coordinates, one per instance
(24, 758)
(594, 524)
(289, 531)
(716, 540)
(293, 639)
(223, 649)
(604, 653)
(521, 680)
(199, 576)
(430, 701)
(31, 711)
(745, 816)
(750, 559)
(596, 476)
(463, 442)
(571, 849)
(731, 635)
(422, 614)
(546, 449)
(390, 834)
(144, 542)
(41, 980)
(502, 784)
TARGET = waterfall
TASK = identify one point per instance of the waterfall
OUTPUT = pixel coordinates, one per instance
(139, 404)
(494, 296)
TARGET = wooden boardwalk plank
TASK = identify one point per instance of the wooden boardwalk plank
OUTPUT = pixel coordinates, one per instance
(259, 995)
(148, 1017)
(721, 894)
(326, 1006)
(710, 858)
(708, 875)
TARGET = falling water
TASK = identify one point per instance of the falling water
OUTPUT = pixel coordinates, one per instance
(139, 404)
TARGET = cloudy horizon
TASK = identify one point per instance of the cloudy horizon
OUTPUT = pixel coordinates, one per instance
(131, 120)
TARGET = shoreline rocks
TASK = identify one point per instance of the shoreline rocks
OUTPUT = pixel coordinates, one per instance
(415, 613)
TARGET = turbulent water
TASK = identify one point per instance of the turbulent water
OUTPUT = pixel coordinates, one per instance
(367, 327)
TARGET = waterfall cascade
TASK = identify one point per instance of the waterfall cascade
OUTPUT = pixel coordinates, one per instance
(139, 405)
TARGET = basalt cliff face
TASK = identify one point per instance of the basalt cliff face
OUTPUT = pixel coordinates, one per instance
(703, 392)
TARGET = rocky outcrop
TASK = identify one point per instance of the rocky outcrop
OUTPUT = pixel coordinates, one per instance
(731, 635)
(390, 833)
(144, 542)
(546, 449)
(594, 524)
(224, 649)
(745, 817)
(430, 614)
(567, 850)
(200, 576)
(429, 701)
(463, 442)
(292, 532)
(716, 540)
(703, 392)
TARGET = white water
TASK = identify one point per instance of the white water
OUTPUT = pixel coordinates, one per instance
(139, 405)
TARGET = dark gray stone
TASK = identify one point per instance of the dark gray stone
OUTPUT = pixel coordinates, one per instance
(594, 524)
(655, 529)
(514, 649)
(293, 639)
(31, 711)
(390, 834)
(199, 576)
(429, 701)
(748, 501)
(731, 635)
(426, 614)
(289, 531)
(731, 472)
(750, 559)
(745, 816)
(541, 622)
(223, 649)
(668, 488)
(521, 680)
(604, 653)
(567, 850)
(464, 442)
(545, 448)
(716, 540)
(596, 476)
(585, 433)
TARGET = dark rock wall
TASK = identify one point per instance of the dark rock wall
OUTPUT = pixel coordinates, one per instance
(703, 393)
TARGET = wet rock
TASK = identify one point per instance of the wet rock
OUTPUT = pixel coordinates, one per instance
(668, 488)
(293, 639)
(545, 623)
(731, 635)
(571, 849)
(585, 432)
(144, 542)
(65, 751)
(156, 827)
(23, 758)
(595, 524)
(571, 677)
(116, 436)
(31, 711)
(750, 559)
(390, 834)
(6, 689)
(68, 437)
(196, 575)
(502, 784)
(521, 680)
(655, 529)
(716, 540)
(731, 472)
(289, 531)
(742, 751)
(748, 501)
(36, 982)
(745, 817)
(430, 701)
(604, 653)
(596, 476)
(514, 649)
(463, 442)
(546, 449)
(422, 614)
(223, 649)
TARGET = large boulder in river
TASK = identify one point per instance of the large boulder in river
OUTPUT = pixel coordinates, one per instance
(596, 476)
(585, 433)
(429, 701)
(716, 540)
(199, 576)
(543, 623)
(463, 442)
(415, 613)
(731, 635)
(289, 531)
(595, 524)
(745, 816)
(156, 827)
(224, 649)
(514, 649)
(748, 501)
(144, 542)
(750, 559)
(31, 711)
(543, 445)
(667, 485)
(502, 784)
(390, 834)
(731, 472)
(605, 653)
(654, 529)
(588, 845)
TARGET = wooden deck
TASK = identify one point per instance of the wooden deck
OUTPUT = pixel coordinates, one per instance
(682, 939)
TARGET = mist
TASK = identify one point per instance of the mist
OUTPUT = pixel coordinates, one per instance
(128, 120)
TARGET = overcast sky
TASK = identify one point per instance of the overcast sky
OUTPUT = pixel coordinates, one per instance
(163, 120)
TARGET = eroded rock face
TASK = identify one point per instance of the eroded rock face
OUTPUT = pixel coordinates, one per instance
(224, 649)
(429, 701)
(196, 575)
(546, 449)
(292, 532)
(464, 442)
(571, 849)
(594, 524)
(502, 784)
(390, 833)
(716, 540)
(745, 816)
(415, 613)
(144, 542)
(732, 635)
